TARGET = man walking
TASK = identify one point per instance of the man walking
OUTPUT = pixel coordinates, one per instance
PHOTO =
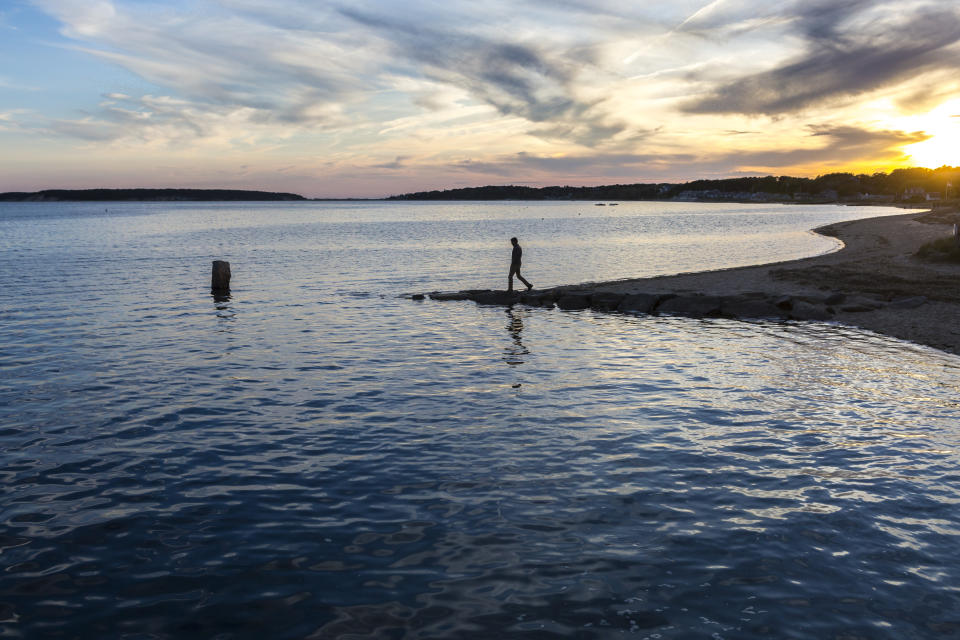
(515, 266)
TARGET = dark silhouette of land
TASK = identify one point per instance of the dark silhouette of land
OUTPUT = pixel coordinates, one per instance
(145, 195)
(900, 185)
(912, 185)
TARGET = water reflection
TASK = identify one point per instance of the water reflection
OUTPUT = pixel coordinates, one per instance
(222, 305)
(514, 353)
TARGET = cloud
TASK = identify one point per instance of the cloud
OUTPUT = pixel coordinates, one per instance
(516, 78)
(398, 163)
(841, 144)
(583, 167)
(303, 65)
(85, 129)
(218, 57)
(852, 47)
(7, 122)
(158, 122)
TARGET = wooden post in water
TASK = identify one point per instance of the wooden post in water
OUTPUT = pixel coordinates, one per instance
(220, 282)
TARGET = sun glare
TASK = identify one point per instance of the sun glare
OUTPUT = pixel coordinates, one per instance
(943, 148)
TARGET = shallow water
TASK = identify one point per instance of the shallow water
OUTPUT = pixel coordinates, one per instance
(315, 456)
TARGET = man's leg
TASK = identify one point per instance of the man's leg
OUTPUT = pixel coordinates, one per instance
(523, 280)
(513, 270)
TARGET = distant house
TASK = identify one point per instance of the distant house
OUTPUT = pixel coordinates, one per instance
(914, 193)
(932, 196)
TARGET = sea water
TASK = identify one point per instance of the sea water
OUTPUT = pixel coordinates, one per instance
(315, 456)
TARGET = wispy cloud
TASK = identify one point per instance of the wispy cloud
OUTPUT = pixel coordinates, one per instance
(851, 47)
(516, 77)
(298, 64)
(840, 144)
(222, 59)
(831, 145)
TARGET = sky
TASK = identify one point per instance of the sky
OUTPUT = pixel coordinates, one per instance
(369, 98)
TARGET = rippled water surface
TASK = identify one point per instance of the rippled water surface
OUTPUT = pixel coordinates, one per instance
(315, 457)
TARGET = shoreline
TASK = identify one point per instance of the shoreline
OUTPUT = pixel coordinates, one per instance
(875, 282)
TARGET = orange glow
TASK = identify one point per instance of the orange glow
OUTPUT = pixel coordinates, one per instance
(943, 147)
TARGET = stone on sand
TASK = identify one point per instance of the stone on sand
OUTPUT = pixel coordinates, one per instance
(693, 306)
(606, 301)
(572, 301)
(639, 302)
(751, 308)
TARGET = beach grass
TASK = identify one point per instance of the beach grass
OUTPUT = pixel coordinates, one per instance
(944, 249)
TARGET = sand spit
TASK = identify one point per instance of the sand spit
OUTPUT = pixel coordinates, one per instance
(875, 281)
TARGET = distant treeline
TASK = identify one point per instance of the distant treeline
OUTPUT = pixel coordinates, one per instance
(832, 186)
(144, 195)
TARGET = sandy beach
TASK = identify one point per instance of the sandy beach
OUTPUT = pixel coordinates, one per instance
(875, 281)
(877, 263)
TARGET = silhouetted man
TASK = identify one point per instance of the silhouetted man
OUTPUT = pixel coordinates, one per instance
(515, 266)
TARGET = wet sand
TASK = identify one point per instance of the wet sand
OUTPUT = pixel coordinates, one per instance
(877, 263)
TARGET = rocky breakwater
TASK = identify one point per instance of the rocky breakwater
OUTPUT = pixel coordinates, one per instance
(740, 306)
(876, 282)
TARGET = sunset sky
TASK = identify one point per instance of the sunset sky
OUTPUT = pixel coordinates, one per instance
(371, 98)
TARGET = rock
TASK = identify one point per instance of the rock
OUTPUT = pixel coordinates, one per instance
(537, 299)
(911, 302)
(835, 299)
(639, 303)
(497, 297)
(860, 305)
(691, 306)
(417, 296)
(751, 308)
(784, 302)
(451, 295)
(606, 301)
(808, 311)
(570, 301)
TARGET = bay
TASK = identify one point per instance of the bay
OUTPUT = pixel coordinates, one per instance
(316, 456)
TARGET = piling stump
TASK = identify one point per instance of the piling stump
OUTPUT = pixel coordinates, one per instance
(220, 280)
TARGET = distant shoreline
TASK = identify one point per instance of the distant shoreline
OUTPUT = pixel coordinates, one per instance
(901, 187)
(222, 195)
(148, 195)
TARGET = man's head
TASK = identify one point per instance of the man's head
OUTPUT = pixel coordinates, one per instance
(513, 241)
